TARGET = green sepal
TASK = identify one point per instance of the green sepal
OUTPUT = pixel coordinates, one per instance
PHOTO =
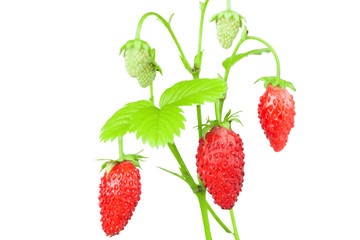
(227, 14)
(110, 163)
(276, 82)
(230, 61)
(135, 159)
(136, 43)
(157, 67)
(228, 119)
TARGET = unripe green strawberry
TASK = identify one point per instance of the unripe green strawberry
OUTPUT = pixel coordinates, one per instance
(137, 55)
(228, 24)
(136, 60)
(140, 61)
(120, 191)
(147, 75)
(220, 165)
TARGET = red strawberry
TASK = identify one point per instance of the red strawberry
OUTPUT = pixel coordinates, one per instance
(276, 113)
(119, 194)
(220, 165)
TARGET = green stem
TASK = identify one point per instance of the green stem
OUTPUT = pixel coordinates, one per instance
(151, 92)
(228, 5)
(168, 27)
(204, 213)
(218, 109)
(274, 53)
(183, 169)
(199, 119)
(121, 149)
(198, 62)
(218, 219)
(234, 224)
(227, 70)
(201, 195)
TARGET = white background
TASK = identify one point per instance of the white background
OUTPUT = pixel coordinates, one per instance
(61, 79)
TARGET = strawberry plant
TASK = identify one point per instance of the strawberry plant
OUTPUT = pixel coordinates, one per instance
(220, 154)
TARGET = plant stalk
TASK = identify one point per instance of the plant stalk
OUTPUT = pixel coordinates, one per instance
(204, 213)
(121, 148)
(274, 53)
(151, 92)
(228, 5)
(168, 27)
(236, 234)
(183, 168)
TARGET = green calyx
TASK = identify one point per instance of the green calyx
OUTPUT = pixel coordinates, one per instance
(137, 44)
(276, 82)
(228, 119)
(110, 163)
(227, 14)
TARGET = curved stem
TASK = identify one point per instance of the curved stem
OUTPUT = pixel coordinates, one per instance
(168, 27)
(234, 224)
(274, 53)
(227, 70)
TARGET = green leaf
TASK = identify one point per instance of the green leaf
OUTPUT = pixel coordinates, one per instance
(119, 124)
(158, 126)
(199, 91)
(229, 62)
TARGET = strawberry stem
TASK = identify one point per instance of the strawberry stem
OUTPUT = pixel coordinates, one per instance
(198, 60)
(183, 168)
(121, 149)
(168, 27)
(151, 92)
(218, 219)
(234, 224)
(228, 5)
(274, 53)
(204, 213)
(199, 118)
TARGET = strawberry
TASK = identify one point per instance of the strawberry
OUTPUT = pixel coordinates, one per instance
(228, 24)
(147, 75)
(220, 165)
(140, 61)
(276, 112)
(120, 191)
(137, 55)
